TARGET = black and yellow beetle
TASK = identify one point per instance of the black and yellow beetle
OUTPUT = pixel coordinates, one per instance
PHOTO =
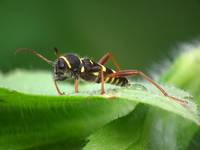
(72, 66)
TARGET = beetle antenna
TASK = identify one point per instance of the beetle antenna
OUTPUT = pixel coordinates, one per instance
(35, 53)
(57, 53)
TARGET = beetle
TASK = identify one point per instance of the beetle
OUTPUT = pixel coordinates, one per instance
(72, 66)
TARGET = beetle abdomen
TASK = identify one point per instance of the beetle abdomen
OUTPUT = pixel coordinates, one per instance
(92, 72)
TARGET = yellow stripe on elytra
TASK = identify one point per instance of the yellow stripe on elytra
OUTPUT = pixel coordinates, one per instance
(103, 68)
(82, 69)
(113, 71)
(112, 79)
(91, 62)
(81, 60)
(95, 73)
(117, 81)
(65, 59)
(107, 79)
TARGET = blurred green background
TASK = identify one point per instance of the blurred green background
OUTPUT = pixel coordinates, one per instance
(137, 32)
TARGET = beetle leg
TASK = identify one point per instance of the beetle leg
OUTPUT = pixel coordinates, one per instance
(76, 85)
(57, 89)
(126, 73)
(105, 59)
(102, 82)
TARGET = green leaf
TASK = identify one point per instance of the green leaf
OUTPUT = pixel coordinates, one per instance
(32, 121)
(28, 120)
(184, 73)
(144, 128)
(153, 128)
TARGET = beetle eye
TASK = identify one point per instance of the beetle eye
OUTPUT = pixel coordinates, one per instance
(61, 64)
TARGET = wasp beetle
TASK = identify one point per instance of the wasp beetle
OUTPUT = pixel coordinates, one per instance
(72, 66)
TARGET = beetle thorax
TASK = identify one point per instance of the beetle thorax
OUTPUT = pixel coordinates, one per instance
(67, 66)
